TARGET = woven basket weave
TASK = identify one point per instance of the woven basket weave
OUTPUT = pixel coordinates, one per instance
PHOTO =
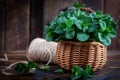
(81, 53)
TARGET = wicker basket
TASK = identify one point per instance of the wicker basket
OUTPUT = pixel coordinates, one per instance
(70, 53)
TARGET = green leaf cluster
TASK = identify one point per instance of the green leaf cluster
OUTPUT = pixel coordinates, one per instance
(45, 68)
(77, 5)
(22, 68)
(78, 25)
(59, 71)
(79, 73)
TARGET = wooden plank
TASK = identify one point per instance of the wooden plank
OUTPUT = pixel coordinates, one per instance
(12, 56)
(14, 52)
(17, 25)
(36, 18)
(114, 58)
(93, 4)
(107, 74)
(17, 77)
(51, 75)
(111, 71)
(9, 62)
(113, 10)
(2, 27)
(113, 64)
(64, 4)
(50, 10)
(112, 7)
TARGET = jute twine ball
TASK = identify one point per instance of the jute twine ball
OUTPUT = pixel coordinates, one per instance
(41, 50)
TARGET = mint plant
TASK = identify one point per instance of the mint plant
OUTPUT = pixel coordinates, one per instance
(78, 73)
(75, 24)
(22, 68)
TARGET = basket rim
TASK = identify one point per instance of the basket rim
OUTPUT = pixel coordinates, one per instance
(87, 9)
(81, 43)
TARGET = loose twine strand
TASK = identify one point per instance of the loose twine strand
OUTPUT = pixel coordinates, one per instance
(4, 59)
(11, 67)
(39, 51)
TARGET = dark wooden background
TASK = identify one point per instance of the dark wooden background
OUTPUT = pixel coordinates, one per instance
(23, 20)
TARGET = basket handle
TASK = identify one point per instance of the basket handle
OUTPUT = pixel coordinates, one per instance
(87, 9)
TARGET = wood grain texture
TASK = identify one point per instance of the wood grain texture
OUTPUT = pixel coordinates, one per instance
(2, 29)
(93, 4)
(9, 62)
(50, 10)
(17, 25)
(111, 71)
(14, 56)
(20, 77)
(67, 3)
(36, 18)
(112, 7)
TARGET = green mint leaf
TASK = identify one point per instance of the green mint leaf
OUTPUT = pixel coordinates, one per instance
(92, 28)
(70, 34)
(85, 75)
(45, 68)
(59, 30)
(112, 34)
(79, 73)
(76, 78)
(89, 71)
(82, 36)
(78, 23)
(32, 65)
(77, 5)
(59, 71)
(114, 25)
(49, 36)
(76, 72)
(99, 14)
(102, 25)
(104, 39)
(62, 19)
(69, 23)
(21, 68)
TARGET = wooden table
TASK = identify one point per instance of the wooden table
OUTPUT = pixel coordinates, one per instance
(111, 71)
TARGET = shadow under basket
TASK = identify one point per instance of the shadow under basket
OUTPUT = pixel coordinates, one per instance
(70, 53)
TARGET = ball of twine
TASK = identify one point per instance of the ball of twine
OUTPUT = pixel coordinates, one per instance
(42, 51)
